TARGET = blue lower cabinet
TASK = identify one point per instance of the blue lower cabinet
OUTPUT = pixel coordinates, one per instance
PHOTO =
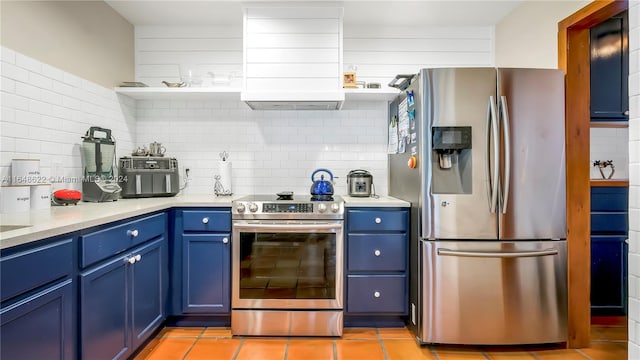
(206, 273)
(39, 326)
(104, 310)
(382, 294)
(608, 275)
(149, 289)
(609, 229)
(122, 302)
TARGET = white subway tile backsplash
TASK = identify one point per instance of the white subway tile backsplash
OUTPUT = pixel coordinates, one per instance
(7, 85)
(14, 72)
(14, 101)
(40, 81)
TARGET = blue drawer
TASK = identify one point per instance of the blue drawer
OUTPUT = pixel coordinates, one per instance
(609, 222)
(377, 220)
(207, 220)
(391, 294)
(376, 252)
(27, 270)
(110, 241)
(609, 199)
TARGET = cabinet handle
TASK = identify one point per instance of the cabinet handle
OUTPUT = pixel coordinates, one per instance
(377, 252)
(205, 220)
(132, 260)
(225, 240)
(138, 257)
(378, 220)
(133, 233)
(376, 294)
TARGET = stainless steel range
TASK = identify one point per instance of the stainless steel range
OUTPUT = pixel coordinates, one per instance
(287, 266)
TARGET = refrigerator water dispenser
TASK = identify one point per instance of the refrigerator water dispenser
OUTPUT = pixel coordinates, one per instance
(452, 155)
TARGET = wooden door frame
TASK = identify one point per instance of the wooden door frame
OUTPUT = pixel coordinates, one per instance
(573, 59)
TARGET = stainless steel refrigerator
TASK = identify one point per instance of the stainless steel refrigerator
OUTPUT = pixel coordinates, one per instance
(480, 154)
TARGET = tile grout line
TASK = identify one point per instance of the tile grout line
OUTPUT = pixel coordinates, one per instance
(335, 349)
(484, 353)
(381, 343)
(286, 348)
(235, 355)
(433, 351)
(533, 353)
(194, 344)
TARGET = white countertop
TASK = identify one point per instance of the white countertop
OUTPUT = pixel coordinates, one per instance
(380, 201)
(60, 220)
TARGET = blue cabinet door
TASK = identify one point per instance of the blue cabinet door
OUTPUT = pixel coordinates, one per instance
(104, 304)
(206, 273)
(148, 284)
(40, 326)
(608, 275)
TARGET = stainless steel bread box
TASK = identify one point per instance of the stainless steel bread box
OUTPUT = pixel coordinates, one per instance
(148, 176)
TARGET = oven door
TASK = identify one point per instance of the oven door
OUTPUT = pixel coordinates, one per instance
(285, 264)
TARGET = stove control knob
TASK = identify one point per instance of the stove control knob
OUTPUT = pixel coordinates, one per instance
(240, 208)
(253, 207)
(322, 208)
(335, 207)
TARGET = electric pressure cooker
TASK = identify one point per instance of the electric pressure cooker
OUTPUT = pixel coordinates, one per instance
(359, 183)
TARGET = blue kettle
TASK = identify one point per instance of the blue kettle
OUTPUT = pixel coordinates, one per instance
(322, 186)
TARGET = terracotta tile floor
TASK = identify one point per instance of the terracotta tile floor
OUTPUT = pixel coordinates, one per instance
(608, 342)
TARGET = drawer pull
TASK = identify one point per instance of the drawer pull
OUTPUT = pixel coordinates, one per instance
(205, 220)
(376, 294)
(138, 257)
(133, 233)
(378, 220)
(225, 240)
(132, 260)
(377, 252)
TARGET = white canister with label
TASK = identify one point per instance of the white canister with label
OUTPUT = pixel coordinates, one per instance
(15, 198)
(40, 196)
(25, 172)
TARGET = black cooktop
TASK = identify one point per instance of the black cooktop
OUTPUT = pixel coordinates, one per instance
(288, 198)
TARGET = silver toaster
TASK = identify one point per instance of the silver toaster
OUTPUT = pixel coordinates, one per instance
(148, 176)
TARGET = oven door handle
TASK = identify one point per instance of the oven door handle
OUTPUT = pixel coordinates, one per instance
(287, 227)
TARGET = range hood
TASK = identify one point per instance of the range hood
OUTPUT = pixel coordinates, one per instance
(281, 100)
(292, 57)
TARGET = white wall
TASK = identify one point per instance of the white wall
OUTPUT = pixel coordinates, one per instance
(85, 38)
(45, 111)
(379, 52)
(270, 151)
(634, 180)
(528, 36)
(273, 150)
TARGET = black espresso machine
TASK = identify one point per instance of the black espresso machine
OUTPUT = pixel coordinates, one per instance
(148, 176)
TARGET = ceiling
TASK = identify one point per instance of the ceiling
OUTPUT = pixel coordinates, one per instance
(399, 13)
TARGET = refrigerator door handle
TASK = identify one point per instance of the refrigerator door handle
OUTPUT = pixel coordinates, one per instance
(492, 254)
(492, 129)
(507, 152)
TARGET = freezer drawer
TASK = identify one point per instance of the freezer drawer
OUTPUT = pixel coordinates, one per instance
(480, 292)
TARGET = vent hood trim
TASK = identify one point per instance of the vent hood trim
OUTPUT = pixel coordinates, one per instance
(317, 100)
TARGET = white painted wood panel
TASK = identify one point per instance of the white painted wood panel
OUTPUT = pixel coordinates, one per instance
(293, 26)
(182, 57)
(381, 52)
(185, 44)
(418, 32)
(294, 70)
(160, 52)
(190, 32)
(292, 56)
(296, 41)
(413, 45)
(281, 12)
